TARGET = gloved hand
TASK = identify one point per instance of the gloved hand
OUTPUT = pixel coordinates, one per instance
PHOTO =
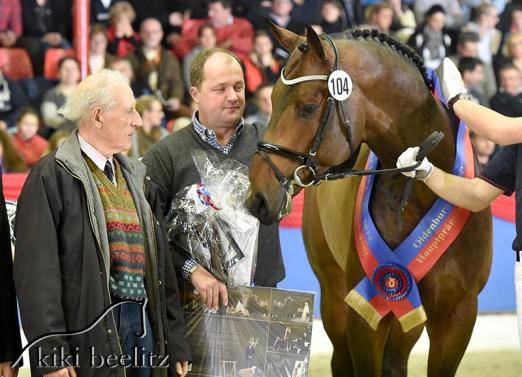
(450, 80)
(409, 158)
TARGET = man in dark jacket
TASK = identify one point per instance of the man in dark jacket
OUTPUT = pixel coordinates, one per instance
(87, 238)
(218, 89)
(10, 345)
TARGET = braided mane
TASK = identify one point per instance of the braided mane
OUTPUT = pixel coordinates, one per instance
(401, 48)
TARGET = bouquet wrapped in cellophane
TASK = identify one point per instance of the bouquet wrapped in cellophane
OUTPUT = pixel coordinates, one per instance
(210, 221)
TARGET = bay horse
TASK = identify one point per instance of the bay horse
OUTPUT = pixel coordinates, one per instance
(389, 108)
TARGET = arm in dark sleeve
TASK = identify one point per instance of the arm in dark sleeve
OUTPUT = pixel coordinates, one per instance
(37, 272)
(502, 169)
(10, 346)
(161, 178)
(178, 346)
(161, 175)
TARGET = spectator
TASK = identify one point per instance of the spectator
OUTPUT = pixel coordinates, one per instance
(333, 19)
(233, 33)
(10, 160)
(483, 148)
(467, 47)
(380, 17)
(12, 99)
(353, 9)
(68, 76)
(100, 11)
(281, 15)
(26, 141)
(263, 103)
(157, 69)
(123, 40)
(10, 22)
(512, 51)
(472, 73)
(169, 13)
(206, 39)
(430, 39)
(46, 23)
(508, 100)
(484, 25)
(124, 66)
(403, 23)
(261, 66)
(216, 127)
(454, 18)
(150, 132)
(98, 56)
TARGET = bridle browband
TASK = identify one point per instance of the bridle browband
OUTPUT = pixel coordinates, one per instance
(308, 161)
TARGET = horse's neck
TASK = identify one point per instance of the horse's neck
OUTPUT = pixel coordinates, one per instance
(407, 132)
(411, 130)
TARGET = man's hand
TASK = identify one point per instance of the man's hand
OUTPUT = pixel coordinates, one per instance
(7, 371)
(209, 288)
(409, 158)
(54, 39)
(65, 372)
(8, 38)
(182, 368)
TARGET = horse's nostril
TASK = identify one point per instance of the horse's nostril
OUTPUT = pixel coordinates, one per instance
(258, 206)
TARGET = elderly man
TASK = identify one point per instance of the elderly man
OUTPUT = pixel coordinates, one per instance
(87, 238)
(218, 89)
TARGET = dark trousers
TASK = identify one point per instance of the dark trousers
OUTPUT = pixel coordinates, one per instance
(128, 322)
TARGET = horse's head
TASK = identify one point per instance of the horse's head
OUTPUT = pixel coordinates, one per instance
(310, 127)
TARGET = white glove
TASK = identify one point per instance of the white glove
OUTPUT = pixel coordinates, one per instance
(409, 158)
(450, 79)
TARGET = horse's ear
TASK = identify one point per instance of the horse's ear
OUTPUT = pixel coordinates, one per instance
(315, 43)
(286, 38)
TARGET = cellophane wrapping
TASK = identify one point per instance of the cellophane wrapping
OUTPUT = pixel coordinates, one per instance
(209, 219)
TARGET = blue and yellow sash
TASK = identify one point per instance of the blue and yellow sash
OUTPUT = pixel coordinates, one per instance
(392, 275)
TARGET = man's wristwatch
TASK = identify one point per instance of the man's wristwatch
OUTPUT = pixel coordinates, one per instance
(188, 268)
(192, 270)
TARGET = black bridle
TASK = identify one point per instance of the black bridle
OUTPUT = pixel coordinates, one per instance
(308, 162)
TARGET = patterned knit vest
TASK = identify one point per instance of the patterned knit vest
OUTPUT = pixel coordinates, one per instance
(126, 241)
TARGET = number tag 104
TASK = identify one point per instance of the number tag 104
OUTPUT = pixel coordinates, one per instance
(339, 85)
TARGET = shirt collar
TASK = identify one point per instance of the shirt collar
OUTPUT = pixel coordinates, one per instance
(200, 128)
(99, 159)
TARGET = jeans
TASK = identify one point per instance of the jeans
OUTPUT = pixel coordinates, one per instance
(128, 322)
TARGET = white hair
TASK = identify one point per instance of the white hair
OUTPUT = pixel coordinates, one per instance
(95, 90)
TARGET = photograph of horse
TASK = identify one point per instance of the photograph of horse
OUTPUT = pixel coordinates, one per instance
(384, 103)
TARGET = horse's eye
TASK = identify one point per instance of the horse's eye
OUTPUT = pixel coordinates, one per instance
(308, 110)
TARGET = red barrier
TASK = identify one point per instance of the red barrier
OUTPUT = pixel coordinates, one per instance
(503, 207)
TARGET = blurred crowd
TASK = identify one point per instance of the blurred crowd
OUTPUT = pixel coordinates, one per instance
(153, 42)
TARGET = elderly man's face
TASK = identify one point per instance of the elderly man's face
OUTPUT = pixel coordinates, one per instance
(120, 122)
(221, 96)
